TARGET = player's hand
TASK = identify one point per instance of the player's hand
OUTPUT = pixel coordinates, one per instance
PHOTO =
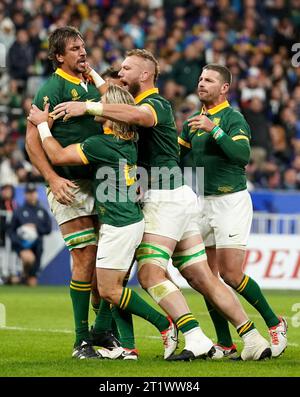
(87, 71)
(201, 122)
(68, 110)
(62, 190)
(37, 116)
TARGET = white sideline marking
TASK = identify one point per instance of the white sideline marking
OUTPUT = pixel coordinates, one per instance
(68, 331)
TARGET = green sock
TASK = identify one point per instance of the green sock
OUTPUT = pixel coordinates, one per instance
(186, 322)
(124, 327)
(243, 329)
(133, 303)
(80, 294)
(95, 307)
(221, 325)
(251, 291)
(104, 317)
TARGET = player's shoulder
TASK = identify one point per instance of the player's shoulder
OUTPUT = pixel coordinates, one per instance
(51, 84)
(235, 113)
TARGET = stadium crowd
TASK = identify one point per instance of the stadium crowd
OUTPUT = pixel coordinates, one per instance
(253, 38)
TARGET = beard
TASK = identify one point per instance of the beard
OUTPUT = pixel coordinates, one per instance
(134, 88)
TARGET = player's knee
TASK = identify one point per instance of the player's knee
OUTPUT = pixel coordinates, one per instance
(231, 278)
(152, 263)
(150, 275)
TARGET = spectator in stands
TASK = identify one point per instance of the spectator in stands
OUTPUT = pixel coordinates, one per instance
(251, 38)
(20, 57)
(259, 126)
(7, 206)
(29, 224)
(290, 181)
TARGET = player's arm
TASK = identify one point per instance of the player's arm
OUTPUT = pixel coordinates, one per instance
(57, 154)
(143, 115)
(60, 187)
(184, 143)
(236, 147)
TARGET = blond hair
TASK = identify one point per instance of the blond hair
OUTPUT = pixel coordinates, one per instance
(117, 94)
(145, 54)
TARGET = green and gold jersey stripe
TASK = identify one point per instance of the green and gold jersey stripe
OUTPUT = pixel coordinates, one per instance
(81, 154)
(184, 143)
(145, 94)
(239, 137)
(152, 110)
(67, 76)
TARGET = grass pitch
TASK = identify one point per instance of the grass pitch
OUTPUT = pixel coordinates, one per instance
(38, 340)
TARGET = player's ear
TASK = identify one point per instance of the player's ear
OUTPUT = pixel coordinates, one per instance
(59, 58)
(225, 88)
(144, 76)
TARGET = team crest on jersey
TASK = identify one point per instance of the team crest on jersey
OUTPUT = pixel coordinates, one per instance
(74, 95)
(216, 120)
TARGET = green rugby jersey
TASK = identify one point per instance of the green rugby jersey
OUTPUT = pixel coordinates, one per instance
(115, 167)
(157, 145)
(62, 87)
(224, 160)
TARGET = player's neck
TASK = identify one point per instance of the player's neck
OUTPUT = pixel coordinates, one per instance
(211, 105)
(144, 88)
(71, 72)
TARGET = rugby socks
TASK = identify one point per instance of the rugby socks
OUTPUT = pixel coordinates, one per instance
(103, 319)
(123, 330)
(131, 302)
(251, 291)
(80, 295)
(186, 323)
(243, 329)
(221, 326)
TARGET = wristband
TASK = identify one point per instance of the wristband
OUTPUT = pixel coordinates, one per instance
(217, 132)
(98, 80)
(44, 130)
(94, 108)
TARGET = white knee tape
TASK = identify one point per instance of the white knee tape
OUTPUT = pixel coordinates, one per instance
(160, 291)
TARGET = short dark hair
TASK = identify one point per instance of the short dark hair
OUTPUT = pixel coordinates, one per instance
(222, 70)
(145, 54)
(110, 73)
(58, 40)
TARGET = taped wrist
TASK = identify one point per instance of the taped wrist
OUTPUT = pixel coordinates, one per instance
(98, 80)
(94, 108)
(217, 132)
(44, 130)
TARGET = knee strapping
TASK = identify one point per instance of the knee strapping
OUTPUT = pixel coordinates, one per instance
(187, 257)
(154, 254)
(81, 239)
(161, 290)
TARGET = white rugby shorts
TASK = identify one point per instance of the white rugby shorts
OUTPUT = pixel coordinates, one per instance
(117, 245)
(171, 213)
(225, 221)
(83, 205)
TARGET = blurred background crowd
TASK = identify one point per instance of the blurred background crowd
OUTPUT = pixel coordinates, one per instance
(253, 38)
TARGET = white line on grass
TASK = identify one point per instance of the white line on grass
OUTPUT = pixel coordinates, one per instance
(68, 331)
